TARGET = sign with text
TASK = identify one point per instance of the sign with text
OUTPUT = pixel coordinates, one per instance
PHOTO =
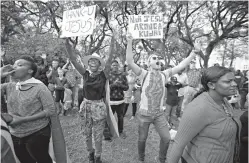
(78, 22)
(146, 26)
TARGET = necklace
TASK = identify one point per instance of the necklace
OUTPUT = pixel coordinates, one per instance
(229, 114)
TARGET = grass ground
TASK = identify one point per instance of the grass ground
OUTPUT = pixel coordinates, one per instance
(117, 151)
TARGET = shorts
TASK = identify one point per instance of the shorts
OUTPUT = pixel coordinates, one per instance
(59, 95)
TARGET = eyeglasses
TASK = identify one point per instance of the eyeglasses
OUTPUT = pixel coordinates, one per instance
(154, 58)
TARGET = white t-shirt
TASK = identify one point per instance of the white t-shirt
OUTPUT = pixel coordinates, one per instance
(183, 79)
(153, 90)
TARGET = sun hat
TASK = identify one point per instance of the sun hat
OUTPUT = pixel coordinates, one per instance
(93, 56)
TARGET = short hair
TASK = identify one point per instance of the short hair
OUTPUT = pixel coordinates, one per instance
(31, 61)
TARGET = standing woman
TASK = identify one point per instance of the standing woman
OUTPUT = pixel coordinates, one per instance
(93, 108)
(31, 104)
(209, 131)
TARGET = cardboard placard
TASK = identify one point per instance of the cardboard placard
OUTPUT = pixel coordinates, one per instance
(78, 22)
(146, 26)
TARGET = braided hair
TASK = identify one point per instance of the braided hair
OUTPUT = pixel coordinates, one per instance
(211, 74)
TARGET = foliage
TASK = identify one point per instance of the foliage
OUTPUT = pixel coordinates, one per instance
(185, 22)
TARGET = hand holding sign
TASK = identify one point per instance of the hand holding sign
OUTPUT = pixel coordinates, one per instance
(197, 47)
(129, 37)
(44, 56)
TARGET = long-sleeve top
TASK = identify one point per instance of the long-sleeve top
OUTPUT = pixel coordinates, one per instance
(117, 89)
(206, 134)
(27, 102)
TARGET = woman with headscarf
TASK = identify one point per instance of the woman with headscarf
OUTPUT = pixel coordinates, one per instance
(93, 111)
(209, 129)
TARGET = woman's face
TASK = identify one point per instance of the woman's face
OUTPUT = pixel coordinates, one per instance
(55, 64)
(70, 67)
(94, 64)
(226, 85)
(22, 69)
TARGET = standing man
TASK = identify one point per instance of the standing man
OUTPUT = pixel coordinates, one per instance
(52, 74)
(183, 79)
(118, 84)
(152, 99)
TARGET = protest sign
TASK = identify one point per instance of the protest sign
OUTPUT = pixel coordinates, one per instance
(78, 22)
(146, 26)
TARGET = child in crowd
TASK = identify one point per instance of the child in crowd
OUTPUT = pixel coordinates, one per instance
(172, 97)
(136, 97)
(67, 98)
(59, 90)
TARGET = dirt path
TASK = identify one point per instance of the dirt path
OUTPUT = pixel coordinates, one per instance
(117, 151)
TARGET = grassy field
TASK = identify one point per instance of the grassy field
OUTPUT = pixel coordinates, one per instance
(117, 151)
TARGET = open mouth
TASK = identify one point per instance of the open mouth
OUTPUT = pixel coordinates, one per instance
(158, 63)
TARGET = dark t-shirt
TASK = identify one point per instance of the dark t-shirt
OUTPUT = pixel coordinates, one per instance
(94, 87)
(172, 93)
(54, 75)
(60, 83)
(41, 74)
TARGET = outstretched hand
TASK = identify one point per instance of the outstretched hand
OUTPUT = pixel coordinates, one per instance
(129, 37)
(197, 47)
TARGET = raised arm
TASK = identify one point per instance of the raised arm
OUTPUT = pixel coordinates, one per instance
(186, 61)
(129, 57)
(73, 58)
(109, 60)
(66, 65)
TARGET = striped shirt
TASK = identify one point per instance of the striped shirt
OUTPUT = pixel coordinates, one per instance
(205, 134)
(28, 102)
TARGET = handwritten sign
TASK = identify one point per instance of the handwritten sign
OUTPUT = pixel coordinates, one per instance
(78, 22)
(146, 26)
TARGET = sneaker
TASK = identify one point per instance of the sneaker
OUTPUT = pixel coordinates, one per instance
(108, 139)
(132, 118)
(91, 157)
(122, 135)
(158, 160)
(98, 160)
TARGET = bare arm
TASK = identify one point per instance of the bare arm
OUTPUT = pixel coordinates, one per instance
(187, 60)
(183, 64)
(73, 58)
(108, 62)
(65, 66)
(129, 58)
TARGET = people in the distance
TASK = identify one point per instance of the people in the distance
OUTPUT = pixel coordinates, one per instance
(93, 111)
(118, 84)
(73, 78)
(209, 130)
(31, 104)
(52, 73)
(152, 99)
(172, 98)
(42, 65)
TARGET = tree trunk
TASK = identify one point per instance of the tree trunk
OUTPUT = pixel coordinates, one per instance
(206, 59)
(232, 56)
(224, 54)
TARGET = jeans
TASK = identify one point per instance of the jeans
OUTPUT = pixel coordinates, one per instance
(33, 148)
(179, 106)
(134, 109)
(161, 126)
(120, 113)
(170, 111)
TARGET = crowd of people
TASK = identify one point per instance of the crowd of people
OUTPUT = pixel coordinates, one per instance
(204, 101)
